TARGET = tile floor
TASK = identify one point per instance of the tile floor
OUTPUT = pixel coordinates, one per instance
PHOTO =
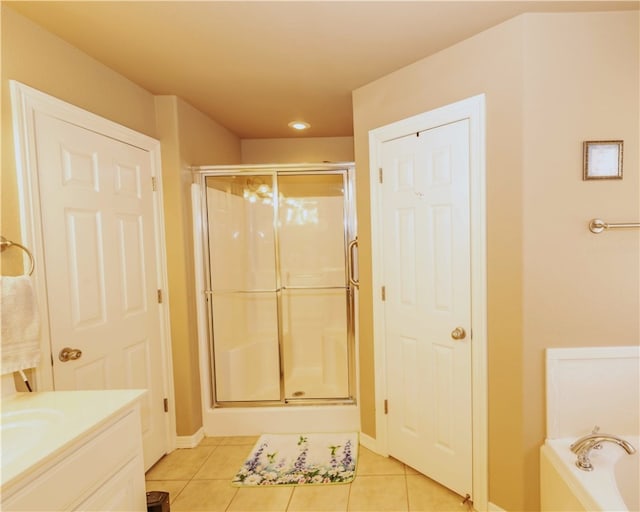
(199, 479)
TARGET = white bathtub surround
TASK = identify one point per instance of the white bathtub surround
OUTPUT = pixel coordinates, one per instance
(596, 386)
(588, 388)
(611, 486)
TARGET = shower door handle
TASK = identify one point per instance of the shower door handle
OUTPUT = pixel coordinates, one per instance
(352, 245)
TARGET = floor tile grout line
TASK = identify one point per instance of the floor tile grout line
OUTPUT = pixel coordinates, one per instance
(204, 462)
(290, 498)
(237, 489)
(406, 488)
(179, 493)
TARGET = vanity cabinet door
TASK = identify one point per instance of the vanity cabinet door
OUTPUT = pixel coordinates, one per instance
(102, 470)
(120, 492)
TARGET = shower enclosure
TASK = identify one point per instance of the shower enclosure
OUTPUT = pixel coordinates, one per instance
(279, 266)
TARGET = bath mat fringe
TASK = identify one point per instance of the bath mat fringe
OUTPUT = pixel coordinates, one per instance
(299, 459)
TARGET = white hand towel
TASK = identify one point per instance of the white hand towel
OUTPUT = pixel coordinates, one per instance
(20, 328)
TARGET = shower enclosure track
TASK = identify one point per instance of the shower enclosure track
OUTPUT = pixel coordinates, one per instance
(201, 173)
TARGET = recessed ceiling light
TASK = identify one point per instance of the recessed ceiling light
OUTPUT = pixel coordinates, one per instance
(299, 125)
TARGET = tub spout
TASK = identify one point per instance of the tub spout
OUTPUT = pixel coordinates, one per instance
(583, 446)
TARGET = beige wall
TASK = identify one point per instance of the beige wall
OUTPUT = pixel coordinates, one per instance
(545, 279)
(297, 150)
(188, 138)
(580, 289)
(41, 60)
(38, 59)
(489, 63)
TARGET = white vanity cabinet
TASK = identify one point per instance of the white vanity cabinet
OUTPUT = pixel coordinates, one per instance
(100, 468)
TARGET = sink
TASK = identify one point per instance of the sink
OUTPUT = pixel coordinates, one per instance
(21, 429)
(36, 427)
(32, 416)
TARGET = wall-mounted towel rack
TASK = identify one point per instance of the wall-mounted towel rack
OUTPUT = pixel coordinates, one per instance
(5, 244)
(598, 225)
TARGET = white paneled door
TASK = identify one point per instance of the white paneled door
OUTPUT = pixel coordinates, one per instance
(427, 303)
(97, 213)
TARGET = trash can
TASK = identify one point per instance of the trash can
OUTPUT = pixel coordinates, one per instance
(158, 501)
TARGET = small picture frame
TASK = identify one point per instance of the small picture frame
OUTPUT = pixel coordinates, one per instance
(602, 160)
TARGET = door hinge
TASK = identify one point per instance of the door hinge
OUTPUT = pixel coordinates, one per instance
(159, 296)
(154, 183)
(386, 406)
(379, 174)
(383, 293)
(165, 402)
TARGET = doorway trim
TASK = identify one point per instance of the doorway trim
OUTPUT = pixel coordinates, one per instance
(472, 109)
(25, 102)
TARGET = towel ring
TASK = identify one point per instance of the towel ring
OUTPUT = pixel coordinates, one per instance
(5, 244)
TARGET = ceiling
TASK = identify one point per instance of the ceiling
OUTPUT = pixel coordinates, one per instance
(255, 66)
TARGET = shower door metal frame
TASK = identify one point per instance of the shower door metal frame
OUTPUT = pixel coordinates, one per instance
(347, 170)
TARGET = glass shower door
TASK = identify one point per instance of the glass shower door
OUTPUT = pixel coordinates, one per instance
(315, 294)
(244, 301)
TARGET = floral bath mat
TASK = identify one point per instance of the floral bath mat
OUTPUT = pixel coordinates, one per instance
(296, 459)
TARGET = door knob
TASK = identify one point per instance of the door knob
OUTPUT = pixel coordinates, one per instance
(458, 333)
(69, 354)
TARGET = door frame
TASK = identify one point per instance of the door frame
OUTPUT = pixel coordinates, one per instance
(25, 103)
(472, 109)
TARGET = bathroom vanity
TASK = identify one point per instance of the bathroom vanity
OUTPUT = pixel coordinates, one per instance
(72, 450)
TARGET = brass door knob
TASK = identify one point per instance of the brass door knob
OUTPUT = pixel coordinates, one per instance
(69, 354)
(458, 333)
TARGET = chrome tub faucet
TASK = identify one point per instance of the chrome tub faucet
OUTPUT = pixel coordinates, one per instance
(583, 446)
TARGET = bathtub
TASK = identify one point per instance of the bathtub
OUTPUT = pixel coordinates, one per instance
(612, 485)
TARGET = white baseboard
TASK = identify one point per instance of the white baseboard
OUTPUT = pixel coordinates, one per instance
(492, 507)
(190, 441)
(369, 442)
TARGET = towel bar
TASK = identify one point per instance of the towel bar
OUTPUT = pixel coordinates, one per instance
(5, 244)
(598, 225)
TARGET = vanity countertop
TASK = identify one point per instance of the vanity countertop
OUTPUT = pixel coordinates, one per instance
(35, 427)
